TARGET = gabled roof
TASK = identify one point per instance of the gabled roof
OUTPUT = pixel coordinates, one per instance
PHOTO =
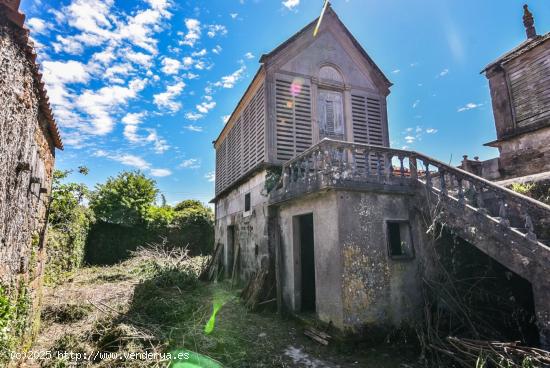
(9, 9)
(309, 28)
(521, 49)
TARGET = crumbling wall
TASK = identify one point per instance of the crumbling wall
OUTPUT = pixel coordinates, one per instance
(27, 158)
(378, 290)
(250, 227)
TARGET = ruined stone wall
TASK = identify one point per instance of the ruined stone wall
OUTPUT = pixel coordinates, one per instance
(250, 228)
(26, 165)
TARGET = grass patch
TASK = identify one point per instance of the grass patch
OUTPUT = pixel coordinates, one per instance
(66, 313)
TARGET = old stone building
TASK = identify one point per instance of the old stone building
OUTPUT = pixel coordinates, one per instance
(307, 185)
(28, 139)
(520, 93)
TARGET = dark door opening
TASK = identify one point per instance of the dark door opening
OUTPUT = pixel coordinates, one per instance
(307, 257)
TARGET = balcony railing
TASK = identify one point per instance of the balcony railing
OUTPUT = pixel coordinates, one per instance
(344, 165)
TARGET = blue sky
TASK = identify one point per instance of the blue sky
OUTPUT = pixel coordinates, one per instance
(147, 84)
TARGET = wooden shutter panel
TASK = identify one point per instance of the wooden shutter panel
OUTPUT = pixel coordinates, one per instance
(244, 146)
(367, 124)
(374, 121)
(293, 118)
(529, 86)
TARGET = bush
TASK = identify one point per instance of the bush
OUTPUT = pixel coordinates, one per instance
(69, 222)
(193, 226)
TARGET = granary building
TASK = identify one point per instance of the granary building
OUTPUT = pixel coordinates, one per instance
(307, 185)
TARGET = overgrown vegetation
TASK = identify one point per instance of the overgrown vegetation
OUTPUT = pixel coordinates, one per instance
(129, 217)
(539, 191)
(170, 310)
(472, 303)
(16, 322)
(69, 223)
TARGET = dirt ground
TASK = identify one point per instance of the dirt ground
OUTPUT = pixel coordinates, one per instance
(101, 302)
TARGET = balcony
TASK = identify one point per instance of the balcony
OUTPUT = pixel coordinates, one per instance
(339, 165)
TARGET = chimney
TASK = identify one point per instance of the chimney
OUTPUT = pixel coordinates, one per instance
(529, 22)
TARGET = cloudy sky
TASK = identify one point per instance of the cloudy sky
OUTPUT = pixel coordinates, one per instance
(148, 84)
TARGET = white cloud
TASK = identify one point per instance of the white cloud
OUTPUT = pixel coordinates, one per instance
(191, 163)
(410, 139)
(193, 32)
(131, 122)
(443, 73)
(166, 99)
(431, 131)
(217, 50)
(225, 118)
(216, 29)
(229, 81)
(234, 15)
(194, 116)
(211, 176)
(291, 4)
(469, 106)
(200, 53)
(396, 71)
(133, 161)
(160, 172)
(249, 55)
(194, 128)
(99, 105)
(170, 66)
(204, 107)
(37, 25)
(415, 104)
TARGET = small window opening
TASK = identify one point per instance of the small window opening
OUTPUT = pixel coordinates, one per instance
(247, 202)
(399, 240)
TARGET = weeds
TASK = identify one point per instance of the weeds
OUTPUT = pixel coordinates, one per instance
(66, 313)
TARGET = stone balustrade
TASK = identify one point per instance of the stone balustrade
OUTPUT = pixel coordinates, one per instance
(343, 165)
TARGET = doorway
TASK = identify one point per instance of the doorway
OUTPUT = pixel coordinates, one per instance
(307, 262)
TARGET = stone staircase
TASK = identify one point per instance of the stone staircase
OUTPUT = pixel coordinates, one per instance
(511, 228)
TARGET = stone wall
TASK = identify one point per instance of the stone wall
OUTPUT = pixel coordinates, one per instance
(27, 152)
(249, 228)
(358, 284)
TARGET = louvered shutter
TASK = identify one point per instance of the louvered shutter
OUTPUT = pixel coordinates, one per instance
(367, 124)
(244, 146)
(330, 114)
(293, 117)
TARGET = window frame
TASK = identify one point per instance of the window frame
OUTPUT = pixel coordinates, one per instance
(408, 251)
(247, 202)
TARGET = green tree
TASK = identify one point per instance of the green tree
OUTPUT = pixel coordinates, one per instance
(124, 199)
(193, 225)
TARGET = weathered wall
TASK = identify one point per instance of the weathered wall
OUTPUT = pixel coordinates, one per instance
(377, 290)
(251, 234)
(525, 154)
(358, 284)
(26, 166)
(328, 256)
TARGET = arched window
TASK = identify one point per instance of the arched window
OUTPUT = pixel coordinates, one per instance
(329, 73)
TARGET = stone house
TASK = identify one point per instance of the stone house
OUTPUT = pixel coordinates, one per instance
(520, 94)
(307, 185)
(28, 140)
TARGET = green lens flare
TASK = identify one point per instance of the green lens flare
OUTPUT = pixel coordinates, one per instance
(219, 301)
(188, 359)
